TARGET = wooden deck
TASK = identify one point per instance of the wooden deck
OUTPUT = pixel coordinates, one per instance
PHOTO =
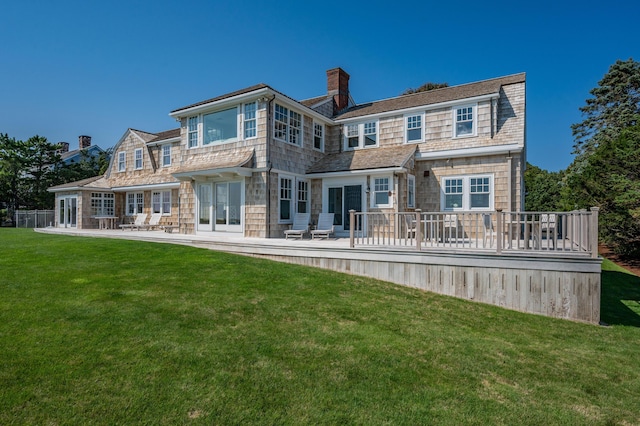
(561, 284)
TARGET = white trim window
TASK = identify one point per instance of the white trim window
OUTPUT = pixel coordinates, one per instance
(249, 118)
(285, 199)
(467, 193)
(287, 125)
(161, 202)
(411, 191)
(464, 121)
(302, 197)
(381, 193)
(102, 204)
(122, 161)
(361, 135)
(414, 128)
(192, 131)
(220, 126)
(318, 136)
(137, 155)
(135, 203)
(166, 155)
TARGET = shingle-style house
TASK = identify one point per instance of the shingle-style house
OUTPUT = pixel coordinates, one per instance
(247, 161)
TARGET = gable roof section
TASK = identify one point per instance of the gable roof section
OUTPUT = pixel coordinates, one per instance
(432, 97)
(364, 159)
(165, 135)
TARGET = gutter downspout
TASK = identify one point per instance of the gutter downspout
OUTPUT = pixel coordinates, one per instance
(269, 167)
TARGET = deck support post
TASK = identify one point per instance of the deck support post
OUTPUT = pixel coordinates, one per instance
(499, 227)
(418, 229)
(593, 232)
(352, 222)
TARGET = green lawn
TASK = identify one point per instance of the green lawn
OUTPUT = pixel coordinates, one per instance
(101, 331)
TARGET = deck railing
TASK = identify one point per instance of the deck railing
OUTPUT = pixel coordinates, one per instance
(574, 233)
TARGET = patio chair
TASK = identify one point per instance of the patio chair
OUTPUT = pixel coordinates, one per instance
(300, 226)
(325, 226)
(154, 222)
(548, 226)
(450, 222)
(488, 233)
(140, 220)
(411, 224)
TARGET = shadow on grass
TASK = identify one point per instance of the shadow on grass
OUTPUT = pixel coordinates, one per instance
(620, 299)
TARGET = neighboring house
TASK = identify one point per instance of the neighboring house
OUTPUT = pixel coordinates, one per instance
(84, 148)
(247, 161)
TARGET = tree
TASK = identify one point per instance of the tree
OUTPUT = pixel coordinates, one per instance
(13, 161)
(42, 166)
(610, 179)
(544, 189)
(425, 88)
(615, 105)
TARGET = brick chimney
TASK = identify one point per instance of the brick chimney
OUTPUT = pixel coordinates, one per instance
(84, 141)
(63, 147)
(338, 86)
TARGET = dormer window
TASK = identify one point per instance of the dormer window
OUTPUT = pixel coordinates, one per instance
(362, 135)
(414, 128)
(122, 161)
(138, 158)
(464, 118)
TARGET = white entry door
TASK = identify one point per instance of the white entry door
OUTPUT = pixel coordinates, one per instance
(68, 212)
(220, 206)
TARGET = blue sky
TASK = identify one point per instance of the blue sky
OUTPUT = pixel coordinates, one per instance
(70, 68)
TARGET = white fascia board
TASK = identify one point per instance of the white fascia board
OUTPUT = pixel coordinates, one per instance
(470, 152)
(165, 141)
(386, 170)
(166, 185)
(240, 171)
(78, 188)
(221, 103)
(420, 108)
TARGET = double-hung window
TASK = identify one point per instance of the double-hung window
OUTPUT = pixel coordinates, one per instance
(250, 130)
(361, 135)
(135, 203)
(467, 193)
(411, 191)
(192, 131)
(161, 202)
(122, 161)
(286, 199)
(414, 128)
(166, 155)
(287, 125)
(381, 196)
(220, 126)
(138, 158)
(318, 136)
(293, 197)
(102, 204)
(464, 118)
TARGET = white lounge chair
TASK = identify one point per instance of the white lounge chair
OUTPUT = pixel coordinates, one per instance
(300, 226)
(325, 226)
(140, 220)
(154, 222)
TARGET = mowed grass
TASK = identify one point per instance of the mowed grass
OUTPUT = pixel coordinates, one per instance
(103, 331)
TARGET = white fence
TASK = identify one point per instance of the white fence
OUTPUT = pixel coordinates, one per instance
(34, 218)
(574, 233)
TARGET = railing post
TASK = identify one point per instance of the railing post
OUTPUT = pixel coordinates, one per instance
(594, 232)
(352, 221)
(418, 229)
(499, 229)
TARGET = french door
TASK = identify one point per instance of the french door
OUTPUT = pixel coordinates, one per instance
(68, 212)
(340, 200)
(220, 206)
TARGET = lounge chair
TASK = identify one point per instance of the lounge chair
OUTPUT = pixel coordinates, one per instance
(325, 226)
(300, 226)
(154, 222)
(140, 220)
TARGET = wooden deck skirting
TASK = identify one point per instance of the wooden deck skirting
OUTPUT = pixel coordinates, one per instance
(560, 286)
